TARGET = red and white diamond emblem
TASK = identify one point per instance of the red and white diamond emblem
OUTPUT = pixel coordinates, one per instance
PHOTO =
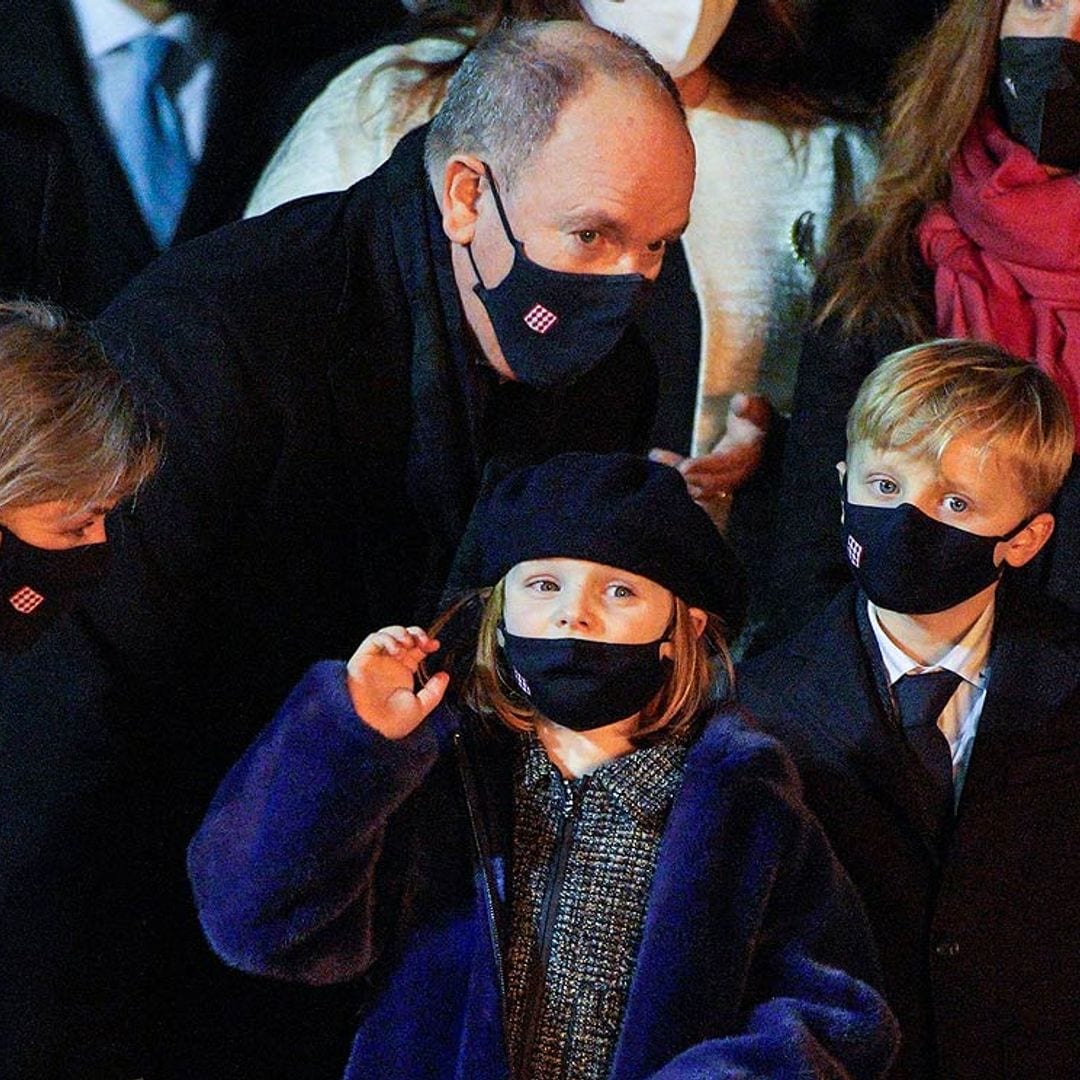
(541, 320)
(26, 600)
(854, 551)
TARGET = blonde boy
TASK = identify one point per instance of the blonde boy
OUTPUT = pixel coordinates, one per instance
(934, 711)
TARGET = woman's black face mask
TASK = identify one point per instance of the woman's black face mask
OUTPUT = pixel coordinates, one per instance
(1039, 88)
(37, 585)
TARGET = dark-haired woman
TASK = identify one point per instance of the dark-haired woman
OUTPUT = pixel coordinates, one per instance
(971, 229)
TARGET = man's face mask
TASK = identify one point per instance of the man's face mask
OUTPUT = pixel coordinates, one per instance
(554, 326)
(679, 34)
(908, 562)
(1039, 87)
(584, 684)
(38, 585)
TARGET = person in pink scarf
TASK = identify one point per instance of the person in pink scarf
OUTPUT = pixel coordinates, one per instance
(971, 229)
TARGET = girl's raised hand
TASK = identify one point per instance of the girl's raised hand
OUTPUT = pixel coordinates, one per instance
(382, 680)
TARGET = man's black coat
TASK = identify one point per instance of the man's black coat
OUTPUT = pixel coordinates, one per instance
(37, 226)
(42, 68)
(328, 428)
(979, 944)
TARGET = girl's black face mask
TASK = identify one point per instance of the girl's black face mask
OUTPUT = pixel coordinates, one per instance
(554, 326)
(908, 562)
(1039, 87)
(583, 684)
(38, 585)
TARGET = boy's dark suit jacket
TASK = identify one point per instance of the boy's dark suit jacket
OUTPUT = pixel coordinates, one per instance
(980, 943)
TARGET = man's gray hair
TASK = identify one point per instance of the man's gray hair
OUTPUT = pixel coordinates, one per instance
(505, 98)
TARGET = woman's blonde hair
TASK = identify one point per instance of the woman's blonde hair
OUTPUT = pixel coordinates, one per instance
(701, 671)
(876, 274)
(921, 398)
(70, 429)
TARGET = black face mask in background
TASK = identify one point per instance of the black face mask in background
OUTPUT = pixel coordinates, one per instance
(583, 684)
(908, 562)
(38, 585)
(553, 326)
(1039, 87)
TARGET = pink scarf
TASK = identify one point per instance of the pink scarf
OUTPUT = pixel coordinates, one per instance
(1005, 251)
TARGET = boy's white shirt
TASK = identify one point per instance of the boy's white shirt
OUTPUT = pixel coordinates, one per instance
(968, 658)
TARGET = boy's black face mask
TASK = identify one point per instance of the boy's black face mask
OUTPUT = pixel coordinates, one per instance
(908, 562)
(1039, 86)
(553, 326)
(583, 684)
(38, 585)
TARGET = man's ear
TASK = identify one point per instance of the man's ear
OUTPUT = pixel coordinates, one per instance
(459, 197)
(1029, 541)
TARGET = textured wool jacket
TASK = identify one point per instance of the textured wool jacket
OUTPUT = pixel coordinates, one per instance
(331, 852)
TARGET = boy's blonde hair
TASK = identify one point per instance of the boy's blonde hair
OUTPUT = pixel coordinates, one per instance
(701, 676)
(70, 429)
(919, 399)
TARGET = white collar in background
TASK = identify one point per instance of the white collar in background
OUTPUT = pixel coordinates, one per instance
(106, 25)
(968, 657)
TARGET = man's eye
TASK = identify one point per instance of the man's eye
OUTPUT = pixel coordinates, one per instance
(658, 245)
(544, 585)
(587, 236)
(956, 504)
(621, 592)
(885, 487)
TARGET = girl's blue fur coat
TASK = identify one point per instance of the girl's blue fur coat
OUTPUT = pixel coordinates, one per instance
(331, 852)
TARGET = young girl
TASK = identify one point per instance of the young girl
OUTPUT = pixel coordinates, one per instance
(575, 863)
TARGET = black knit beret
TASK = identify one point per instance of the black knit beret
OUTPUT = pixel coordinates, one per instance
(617, 509)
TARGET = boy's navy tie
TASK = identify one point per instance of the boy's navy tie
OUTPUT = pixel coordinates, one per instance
(151, 145)
(920, 699)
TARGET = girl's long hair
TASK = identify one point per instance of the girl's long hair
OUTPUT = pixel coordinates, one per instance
(875, 274)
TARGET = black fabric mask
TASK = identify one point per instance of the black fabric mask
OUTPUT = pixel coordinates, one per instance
(38, 585)
(584, 684)
(909, 562)
(1039, 87)
(554, 326)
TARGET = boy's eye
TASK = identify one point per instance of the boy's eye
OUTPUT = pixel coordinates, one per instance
(884, 486)
(587, 236)
(621, 592)
(956, 504)
(658, 245)
(544, 585)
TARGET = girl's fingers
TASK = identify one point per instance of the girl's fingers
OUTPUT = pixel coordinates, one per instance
(431, 693)
(397, 641)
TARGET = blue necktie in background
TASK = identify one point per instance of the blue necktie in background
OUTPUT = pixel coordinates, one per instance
(151, 145)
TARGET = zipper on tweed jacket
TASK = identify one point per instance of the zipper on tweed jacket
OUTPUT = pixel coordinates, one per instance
(571, 810)
(483, 855)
